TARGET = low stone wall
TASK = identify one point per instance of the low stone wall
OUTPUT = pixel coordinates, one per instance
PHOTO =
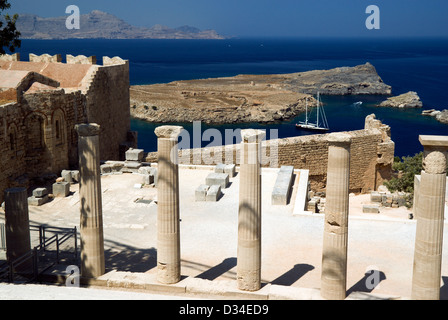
(372, 154)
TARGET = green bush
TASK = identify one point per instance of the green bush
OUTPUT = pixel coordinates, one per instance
(405, 168)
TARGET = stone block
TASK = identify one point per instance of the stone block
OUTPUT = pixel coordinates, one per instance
(156, 175)
(230, 169)
(67, 175)
(401, 202)
(145, 170)
(371, 208)
(375, 196)
(61, 189)
(35, 201)
(220, 168)
(40, 192)
(75, 175)
(201, 192)
(106, 168)
(312, 206)
(213, 193)
(131, 167)
(220, 179)
(134, 155)
(147, 179)
(282, 188)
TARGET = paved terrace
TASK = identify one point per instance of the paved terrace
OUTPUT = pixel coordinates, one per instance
(291, 243)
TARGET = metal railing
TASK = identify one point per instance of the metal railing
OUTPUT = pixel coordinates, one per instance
(2, 237)
(11, 268)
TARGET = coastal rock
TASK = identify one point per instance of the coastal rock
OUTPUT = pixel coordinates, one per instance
(249, 98)
(362, 79)
(443, 116)
(431, 112)
(406, 100)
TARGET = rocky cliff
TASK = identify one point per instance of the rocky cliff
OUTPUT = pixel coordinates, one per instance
(249, 98)
(362, 79)
(101, 25)
(441, 116)
(406, 100)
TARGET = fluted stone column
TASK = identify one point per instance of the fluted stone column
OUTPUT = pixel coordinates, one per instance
(91, 224)
(334, 254)
(17, 224)
(426, 279)
(168, 233)
(249, 216)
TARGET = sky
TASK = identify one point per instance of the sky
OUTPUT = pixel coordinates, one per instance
(267, 18)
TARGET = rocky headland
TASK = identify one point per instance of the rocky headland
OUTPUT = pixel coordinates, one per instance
(250, 98)
(406, 100)
(441, 116)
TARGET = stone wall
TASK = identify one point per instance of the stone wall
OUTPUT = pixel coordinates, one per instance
(37, 138)
(37, 135)
(108, 104)
(372, 154)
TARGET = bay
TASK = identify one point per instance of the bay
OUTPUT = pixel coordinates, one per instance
(419, 65)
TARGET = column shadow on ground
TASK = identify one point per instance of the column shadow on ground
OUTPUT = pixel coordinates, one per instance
(292, 275)
(129, 259)
(444, 289)
(218, 270)
(368, 283)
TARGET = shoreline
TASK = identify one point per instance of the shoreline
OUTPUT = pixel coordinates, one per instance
(250, 98)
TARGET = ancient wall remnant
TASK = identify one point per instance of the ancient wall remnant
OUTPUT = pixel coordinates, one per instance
(370, 161)
(42, 100)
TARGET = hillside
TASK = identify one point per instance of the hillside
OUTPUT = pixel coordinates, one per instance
(102, 25)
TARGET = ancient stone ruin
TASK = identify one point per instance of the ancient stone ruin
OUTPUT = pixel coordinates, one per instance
(41, 101)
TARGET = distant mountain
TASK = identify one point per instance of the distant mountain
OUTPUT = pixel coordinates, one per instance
(102, 25)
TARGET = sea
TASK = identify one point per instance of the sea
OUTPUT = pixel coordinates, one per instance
(406, 64)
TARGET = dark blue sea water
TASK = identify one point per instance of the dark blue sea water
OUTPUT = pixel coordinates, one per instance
(419, 65)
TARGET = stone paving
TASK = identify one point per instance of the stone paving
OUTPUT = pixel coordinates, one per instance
(291, 244)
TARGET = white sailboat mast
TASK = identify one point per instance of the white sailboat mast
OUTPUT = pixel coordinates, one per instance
(318, 108)
(306, 120)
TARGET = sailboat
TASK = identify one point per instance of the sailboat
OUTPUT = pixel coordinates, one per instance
(321, 120)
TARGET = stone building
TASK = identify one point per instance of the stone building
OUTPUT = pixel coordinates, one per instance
(41, 101)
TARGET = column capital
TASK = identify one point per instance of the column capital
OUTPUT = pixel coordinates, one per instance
(253, 135)
(168, 132)
(337, 138)
(87, 129)
(439, 142)
(435, 155)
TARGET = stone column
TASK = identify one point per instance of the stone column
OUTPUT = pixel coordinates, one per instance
(249, 215)
(168, 233)
(91, 224)
(17, 224)
(334, 253)
(426, 279)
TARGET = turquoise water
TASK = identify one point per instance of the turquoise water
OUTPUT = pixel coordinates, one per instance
(419, 65)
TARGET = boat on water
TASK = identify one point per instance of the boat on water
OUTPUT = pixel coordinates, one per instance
(321, 123)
